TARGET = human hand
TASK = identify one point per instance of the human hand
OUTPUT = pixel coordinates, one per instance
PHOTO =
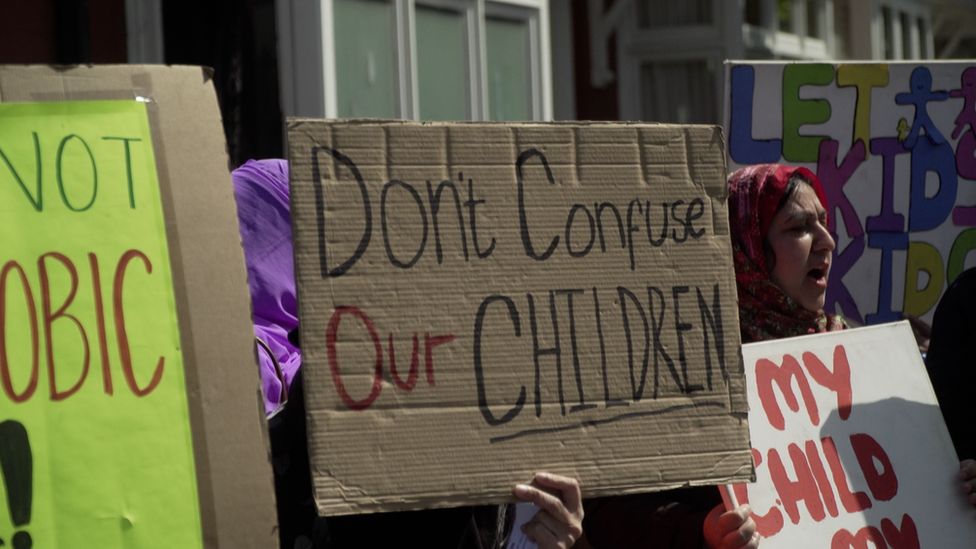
(559, 522)
(733, 529)
(967, 473)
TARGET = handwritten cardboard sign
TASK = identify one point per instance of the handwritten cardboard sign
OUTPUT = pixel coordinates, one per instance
(894, 147)
(105, 364)
(482, 301)
(850, 446)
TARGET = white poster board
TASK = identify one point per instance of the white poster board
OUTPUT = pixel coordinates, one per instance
(850, 446)
(894, 145)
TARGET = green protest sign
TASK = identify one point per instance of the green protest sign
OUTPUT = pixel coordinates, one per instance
(95, 437)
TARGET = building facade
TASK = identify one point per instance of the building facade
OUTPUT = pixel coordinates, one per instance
(654, 60)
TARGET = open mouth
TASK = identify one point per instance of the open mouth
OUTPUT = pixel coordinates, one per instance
(819, 274)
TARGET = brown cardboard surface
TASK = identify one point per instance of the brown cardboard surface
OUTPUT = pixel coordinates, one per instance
(444, 430)
(230, 444)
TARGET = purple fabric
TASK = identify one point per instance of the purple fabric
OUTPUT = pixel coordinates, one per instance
(261, 189)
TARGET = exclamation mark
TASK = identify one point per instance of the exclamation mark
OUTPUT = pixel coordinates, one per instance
(17, 465)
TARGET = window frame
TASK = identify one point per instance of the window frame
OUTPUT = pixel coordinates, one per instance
(519, 11)
(306, 77)
(410, 82)
(700, 42)
(794, 43)
(917, 40)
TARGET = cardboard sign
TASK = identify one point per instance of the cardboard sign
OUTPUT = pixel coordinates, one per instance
(107, 357)
(850, 446)
(894, 147)
(483, 301)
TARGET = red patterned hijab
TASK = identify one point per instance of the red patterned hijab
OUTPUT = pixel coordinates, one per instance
(765, 312)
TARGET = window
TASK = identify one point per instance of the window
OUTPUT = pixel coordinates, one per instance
(813, 15)
(443, 79)
(509, 69)
(415, 59)
(784, 14)
(788, 29)
(753, 13)
(364, 58)
(923, 40)
(889, 32)
(842, 29)
(681, 92)
(905, 30)
(906, 36)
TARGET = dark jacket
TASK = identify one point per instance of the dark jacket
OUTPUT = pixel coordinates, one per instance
(951, 361)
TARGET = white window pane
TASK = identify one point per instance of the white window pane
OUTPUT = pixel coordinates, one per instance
(509, 65)
(442, 64)
(678, 91)
(365, 62)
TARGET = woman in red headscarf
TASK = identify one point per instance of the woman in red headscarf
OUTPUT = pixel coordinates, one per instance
(782, 252)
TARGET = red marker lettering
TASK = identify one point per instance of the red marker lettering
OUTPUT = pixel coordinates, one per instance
(768, 524)
(845, 540)
(414, 364)
(838, 380)
(5, 377)
(331, 335)
(768, 372)
(120, 332)
(884, 483)
(853, 502)
(905, 538)
(50, 318)
(803, 488)
(817, 468)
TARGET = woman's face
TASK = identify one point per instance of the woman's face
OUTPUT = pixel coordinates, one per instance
(801, 248)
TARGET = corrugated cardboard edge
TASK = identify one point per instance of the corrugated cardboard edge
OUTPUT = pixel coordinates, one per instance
(229, 432)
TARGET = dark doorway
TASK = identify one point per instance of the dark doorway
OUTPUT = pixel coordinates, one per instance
(237, 38)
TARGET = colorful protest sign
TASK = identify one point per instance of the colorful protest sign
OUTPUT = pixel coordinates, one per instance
(895, 147)
(850, 446)
(117, 216)
(483, 301)
(90, 344)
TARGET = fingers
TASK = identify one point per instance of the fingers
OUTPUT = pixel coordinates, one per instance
(732, 520)
(568, 487)
(967, 472)
(734, 529)
(557, 495)
(552, 534)
(743, 537)
(967, 469)
(754, 542)
(737, 529)
(559, 522)
(543, 500)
